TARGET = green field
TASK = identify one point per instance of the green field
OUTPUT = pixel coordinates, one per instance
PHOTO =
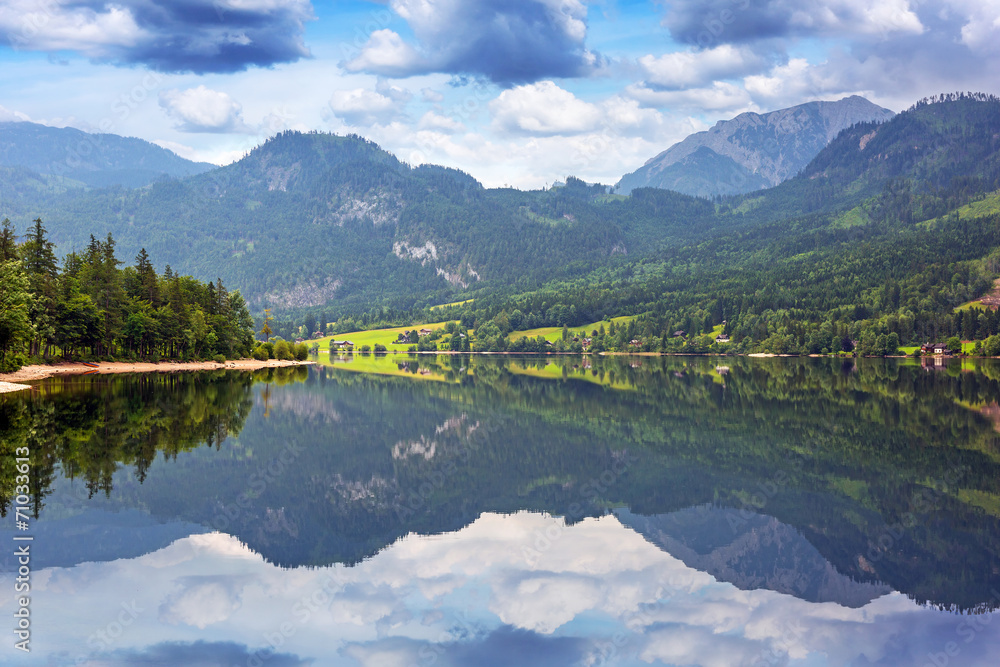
(453, 303)
(555, 333)
(384, 336)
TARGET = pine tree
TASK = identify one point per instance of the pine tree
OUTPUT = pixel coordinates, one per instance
(8, 241)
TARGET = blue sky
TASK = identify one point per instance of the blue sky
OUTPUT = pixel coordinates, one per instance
(519, 92)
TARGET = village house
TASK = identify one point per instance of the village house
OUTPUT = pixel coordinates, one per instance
(934, 348)
(722, 338)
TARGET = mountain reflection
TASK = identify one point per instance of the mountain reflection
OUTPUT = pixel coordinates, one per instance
(808, 477)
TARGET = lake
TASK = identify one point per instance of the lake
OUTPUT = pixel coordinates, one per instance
(489, 510)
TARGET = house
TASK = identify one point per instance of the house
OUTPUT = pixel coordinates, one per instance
(633, 342)
(722, 338)
(425, 332)
(678, 334)
(934, 348)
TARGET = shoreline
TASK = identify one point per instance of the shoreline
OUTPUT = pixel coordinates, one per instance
(10, 382)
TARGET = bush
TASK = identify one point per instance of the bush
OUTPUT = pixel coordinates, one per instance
(301, 351)
(283, 351)
(366, 349)
(260, 353)
(380, 348)
(12, 362)
(219, 359)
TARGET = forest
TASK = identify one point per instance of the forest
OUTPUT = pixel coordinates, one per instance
(91, 307)
(884, 241)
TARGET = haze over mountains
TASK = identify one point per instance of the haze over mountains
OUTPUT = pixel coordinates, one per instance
(96, 160)
(752, 151)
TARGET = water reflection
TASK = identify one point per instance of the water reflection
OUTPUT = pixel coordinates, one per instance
(780, 489)
(521, 589)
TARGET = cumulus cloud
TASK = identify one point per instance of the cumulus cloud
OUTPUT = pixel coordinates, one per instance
(431, 95)
(706, 24)
(203, 110)
(437, 122)
(506, 42)
(193, 36)
(720, 96)
(544, 109)
(684, 69)
(362, 107)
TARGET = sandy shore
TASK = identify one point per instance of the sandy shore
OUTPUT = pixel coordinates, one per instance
(32, 373)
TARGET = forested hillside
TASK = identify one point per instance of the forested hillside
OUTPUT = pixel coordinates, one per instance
(890, 228)
(95, 160)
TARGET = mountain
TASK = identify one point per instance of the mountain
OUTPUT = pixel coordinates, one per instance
(307, 219)
(752, 151)
(96, 160)
(311, 220)
(751, 551)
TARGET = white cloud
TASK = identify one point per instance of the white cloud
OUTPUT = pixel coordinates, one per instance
(543, 109)
(51, 26)
(981, 30)
(8, 116)
(363, 107)
(203, 110)
(431, 95)
(720, 97)
(686, 69)
(387, 54)
(435, 121)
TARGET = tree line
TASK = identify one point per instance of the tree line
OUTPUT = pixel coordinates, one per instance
(91, 307)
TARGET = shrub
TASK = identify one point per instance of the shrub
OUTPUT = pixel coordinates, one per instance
(260, 353)
(219, 359)
(283, 351)
(301, 351)
(380, 348)
(366, 349)
(12, 362)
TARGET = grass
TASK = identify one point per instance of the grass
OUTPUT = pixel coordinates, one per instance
(988, 205)
(385, 337)
(453, 303)
(555, 333)
(856, 217)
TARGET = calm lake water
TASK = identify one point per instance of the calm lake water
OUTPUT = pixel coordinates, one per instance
(469, 511)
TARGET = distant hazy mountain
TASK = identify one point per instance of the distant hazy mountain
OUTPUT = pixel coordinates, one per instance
(97, 160)
(751, 151)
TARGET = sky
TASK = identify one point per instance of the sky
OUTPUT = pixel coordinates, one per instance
(514, 92)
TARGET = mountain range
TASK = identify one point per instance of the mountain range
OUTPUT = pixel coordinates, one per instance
(323, 221)
(94, 160)
(752, 151)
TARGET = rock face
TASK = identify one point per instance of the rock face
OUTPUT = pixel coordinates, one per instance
(752, 151)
